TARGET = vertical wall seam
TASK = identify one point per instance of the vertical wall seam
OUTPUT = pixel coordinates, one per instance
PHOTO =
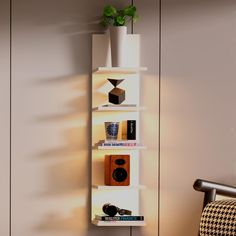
(10, 128)
(132, 22)
(159, 113)
(159, 117)
(132, 31)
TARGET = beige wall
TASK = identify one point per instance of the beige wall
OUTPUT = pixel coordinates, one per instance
(197, 106)
(51, 87)
(148, 26)
(50, 132)
(50, 112)
(5, 116)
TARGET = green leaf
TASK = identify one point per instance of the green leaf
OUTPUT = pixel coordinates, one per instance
(109, 11)
(120, 12)
(119, 21)
(121, 17)
(129, 11)
(106, 21)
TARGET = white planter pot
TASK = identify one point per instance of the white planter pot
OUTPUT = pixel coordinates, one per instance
(118, 45)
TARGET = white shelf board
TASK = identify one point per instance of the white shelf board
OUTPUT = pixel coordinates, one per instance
(126, 108)
(99, 147)
(106, 187)
(118, 223)
(119, 70)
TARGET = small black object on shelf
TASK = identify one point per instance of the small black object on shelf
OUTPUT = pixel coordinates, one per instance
(131, 129)
(112, 210)
(116, 95)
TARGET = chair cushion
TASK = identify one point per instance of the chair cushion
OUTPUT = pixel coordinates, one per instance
(219, 219)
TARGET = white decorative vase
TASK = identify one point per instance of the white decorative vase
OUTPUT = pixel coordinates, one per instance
(118, 45)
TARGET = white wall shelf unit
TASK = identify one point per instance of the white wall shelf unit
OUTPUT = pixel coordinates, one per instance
(127, 197)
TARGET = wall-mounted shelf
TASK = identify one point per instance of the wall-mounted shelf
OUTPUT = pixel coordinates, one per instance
(105, 187)
(127, 197)
(118, 108)
(118, 223)
(119, 70)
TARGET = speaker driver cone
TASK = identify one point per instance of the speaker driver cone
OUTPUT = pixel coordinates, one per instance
(120, 174)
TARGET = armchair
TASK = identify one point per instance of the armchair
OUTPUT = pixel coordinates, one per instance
(218, 217)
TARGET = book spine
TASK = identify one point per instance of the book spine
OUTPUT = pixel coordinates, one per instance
(119, 144)
(120, 218)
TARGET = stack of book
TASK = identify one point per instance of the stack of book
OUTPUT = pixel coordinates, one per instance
(118, 218)
(122, 143)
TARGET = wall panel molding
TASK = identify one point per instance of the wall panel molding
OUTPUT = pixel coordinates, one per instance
(5, 117)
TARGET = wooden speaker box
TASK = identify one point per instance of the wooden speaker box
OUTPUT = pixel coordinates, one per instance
(117, 170)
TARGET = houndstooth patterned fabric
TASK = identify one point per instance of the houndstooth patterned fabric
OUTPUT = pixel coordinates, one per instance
(219, 219)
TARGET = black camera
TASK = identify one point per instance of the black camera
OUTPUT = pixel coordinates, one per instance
(112, 210)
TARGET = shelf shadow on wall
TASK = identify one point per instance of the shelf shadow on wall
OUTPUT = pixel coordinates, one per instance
(68, 173)
(73, 223)
(55, 222)
(68, 166)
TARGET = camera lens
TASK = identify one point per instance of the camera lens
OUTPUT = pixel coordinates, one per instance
(120, 174)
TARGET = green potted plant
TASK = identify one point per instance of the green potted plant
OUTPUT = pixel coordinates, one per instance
(116, 21)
